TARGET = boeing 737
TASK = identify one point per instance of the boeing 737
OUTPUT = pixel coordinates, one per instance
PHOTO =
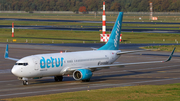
(79, 64)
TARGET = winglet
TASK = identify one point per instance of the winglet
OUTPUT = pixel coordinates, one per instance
(170, 55)
(6, 55)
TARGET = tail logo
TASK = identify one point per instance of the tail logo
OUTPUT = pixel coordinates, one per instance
(117, 34)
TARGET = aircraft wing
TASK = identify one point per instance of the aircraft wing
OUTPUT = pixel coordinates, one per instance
(123, 64)
(6, 55)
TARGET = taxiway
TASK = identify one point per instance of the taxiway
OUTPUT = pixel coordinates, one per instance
(147, 74)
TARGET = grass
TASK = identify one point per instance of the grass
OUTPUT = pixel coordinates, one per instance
(170, 92)
(67, 24)
(47, 36)
(7, 22)
(167, 48)
(59, 36)
(89, 17)
(149, 38)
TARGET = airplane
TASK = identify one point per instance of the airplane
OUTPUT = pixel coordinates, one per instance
(79, 64)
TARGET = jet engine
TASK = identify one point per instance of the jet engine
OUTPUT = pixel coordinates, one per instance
(82, 74)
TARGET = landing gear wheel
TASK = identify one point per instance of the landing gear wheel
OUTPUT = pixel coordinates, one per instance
(86, 80)
(58, 78)
(25, 82)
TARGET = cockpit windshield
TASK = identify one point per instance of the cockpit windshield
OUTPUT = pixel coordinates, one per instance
(24, 64)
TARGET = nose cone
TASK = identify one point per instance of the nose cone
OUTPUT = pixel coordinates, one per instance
(15, 70)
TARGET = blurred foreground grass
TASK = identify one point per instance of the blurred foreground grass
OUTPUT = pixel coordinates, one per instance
(170, 92)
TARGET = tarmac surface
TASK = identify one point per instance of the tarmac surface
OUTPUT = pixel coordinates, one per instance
(146, 74)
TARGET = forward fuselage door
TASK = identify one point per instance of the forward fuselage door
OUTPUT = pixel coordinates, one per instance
(36, 64)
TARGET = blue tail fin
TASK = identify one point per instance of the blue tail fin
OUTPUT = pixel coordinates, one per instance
(113, 42)
(6, 55)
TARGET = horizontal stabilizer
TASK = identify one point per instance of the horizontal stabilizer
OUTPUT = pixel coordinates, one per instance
(6, 55)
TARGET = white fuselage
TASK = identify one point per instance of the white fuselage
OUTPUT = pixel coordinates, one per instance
(53, 64)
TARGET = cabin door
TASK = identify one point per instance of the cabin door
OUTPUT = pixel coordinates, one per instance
(36, 64)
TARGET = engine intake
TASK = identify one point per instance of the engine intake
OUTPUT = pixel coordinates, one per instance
(82, 74)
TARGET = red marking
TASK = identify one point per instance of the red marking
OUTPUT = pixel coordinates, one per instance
(13, 29)
(103, 20)
(120, 37)
(104, 23)
(12, 34)
(104, 12)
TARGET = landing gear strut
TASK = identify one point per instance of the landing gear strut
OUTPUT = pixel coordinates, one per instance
(86, 80)
(25, 82)
(58, 78)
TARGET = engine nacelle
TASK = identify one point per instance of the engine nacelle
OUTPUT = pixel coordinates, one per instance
(82, 74)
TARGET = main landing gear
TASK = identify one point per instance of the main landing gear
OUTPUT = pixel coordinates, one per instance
(58, 78)
(86, 80)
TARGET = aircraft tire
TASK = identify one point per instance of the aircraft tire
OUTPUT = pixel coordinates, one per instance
(55, 78)
(86, 80)
(60, 78)
(25, 82)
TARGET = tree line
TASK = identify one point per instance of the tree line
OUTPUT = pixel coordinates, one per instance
(91, 5)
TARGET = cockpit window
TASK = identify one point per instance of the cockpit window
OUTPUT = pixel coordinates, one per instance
(24, 64)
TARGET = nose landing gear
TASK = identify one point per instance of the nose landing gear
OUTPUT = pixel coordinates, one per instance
(25, 82)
